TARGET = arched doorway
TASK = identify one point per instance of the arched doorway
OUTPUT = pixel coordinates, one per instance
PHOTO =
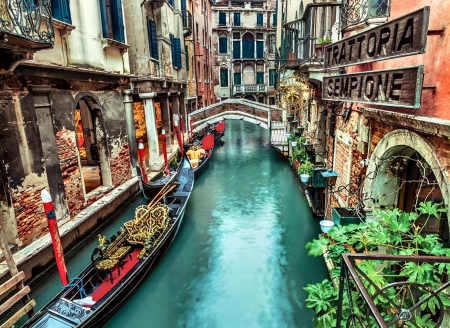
(91, 144)
(404, 171)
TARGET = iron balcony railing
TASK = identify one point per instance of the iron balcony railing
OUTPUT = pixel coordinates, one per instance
(187, 22)
(25, 20)
(249, 88)
(354, 12)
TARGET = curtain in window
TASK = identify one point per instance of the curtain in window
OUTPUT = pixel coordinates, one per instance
(259, 19)
(237, 19)
(152, 40)
(117, 21)
(61, 10)
(236, 49)
(223, 45)
(237, 79)
(272, 75)
(222, 19)
(259, 77)
(259, 49)
(223, 77)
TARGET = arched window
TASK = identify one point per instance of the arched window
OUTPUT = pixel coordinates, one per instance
(248, 46)
(224, 77)
(223, 44)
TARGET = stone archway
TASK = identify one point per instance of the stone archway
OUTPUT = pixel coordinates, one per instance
(382, 187)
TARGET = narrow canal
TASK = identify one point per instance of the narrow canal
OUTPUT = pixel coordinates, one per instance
(239, 259)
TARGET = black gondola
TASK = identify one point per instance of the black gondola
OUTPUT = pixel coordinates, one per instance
(137, 248)
(217, 129)
(205, 143)
(154, 185)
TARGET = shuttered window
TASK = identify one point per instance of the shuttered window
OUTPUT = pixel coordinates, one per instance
(272, 76)
(274, 19)
(223, 49)
(237, 79)
(259, 19)
(152, 40)
(186, 50)
(222, 19)
(248, 49)
(61, 10)
(259, 77)
(114, 12)
(171, 2)
(236, 49)
(259, 49)
(223, 77)
(237, 19)
(176, 59)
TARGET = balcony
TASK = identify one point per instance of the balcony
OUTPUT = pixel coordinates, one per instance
(249, 88)
(26, 25)
(354, 12)
(187, 22)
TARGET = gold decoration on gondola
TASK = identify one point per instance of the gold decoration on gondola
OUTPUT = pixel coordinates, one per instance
(294, 93)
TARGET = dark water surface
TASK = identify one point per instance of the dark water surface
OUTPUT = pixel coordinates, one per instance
(239, 259)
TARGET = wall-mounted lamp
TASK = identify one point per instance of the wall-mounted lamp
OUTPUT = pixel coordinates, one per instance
(330, 177)
(290, 117)
(309, 147)
(301, 129)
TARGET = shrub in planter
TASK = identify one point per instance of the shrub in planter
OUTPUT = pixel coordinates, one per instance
(345, 216)
(306, 168)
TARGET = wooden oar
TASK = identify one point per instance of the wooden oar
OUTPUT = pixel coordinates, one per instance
(161, 190)
(153, 202)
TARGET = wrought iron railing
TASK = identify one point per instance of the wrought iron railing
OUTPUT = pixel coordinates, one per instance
(29, 19)
(356, 11)
(187, 21)
(397, 304)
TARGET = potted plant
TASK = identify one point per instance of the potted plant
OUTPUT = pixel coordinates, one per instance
(321, 42)
(345, 216)
(305, 171)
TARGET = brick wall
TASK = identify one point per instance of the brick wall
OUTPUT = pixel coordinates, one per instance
(120, 164)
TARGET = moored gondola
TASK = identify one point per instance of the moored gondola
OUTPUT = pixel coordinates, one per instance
(217, 129)
(120, 264)
(199, 152)
(154, 185)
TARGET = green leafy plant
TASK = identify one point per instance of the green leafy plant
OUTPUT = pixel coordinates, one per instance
(392, 232)
(325, 40)
(306, 168)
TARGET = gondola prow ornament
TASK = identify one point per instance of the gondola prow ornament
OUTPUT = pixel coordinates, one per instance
(54, 233)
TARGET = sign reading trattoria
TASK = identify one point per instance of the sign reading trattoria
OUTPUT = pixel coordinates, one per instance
(395, 87)
(406, 35)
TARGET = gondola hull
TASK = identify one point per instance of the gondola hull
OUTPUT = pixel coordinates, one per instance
(63, 313)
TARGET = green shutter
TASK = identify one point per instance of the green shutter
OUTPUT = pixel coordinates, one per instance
(176, 46)
(223, 46)
(271, 77)
(222, 19)
(248, 49)
(236, 49)
(237, 19)
(224, 78)
(186, 50)
(259, 49)
(152, 40)
(259, 19)
(104, 18)
(60, 10)
(259, 77)
(237, 79)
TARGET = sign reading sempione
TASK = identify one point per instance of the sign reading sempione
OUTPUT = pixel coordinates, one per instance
(403, 36)
(395, 87)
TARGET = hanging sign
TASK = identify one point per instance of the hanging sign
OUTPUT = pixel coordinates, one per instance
(395, 87)
(406, 35)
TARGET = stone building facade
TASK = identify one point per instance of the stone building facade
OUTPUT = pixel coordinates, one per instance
(244, 49)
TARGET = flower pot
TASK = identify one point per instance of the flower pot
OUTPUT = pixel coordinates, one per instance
(288, 135)
(326, 225)
(304, 178)
(344, 216)
(294, 143)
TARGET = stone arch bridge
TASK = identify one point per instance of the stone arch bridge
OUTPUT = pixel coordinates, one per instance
(266, 116)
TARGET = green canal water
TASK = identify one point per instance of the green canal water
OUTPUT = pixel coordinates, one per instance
(239, 259)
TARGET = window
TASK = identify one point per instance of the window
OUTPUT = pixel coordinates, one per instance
(152, 40)
(222, 19)
(272, 76)
(186, 50)
(248, 46)
(274, 18)
(236, 49)
(113, 13)
(259, 19)
(271, 100)
(237, 19)
(171, 2)
(176, 51)
(261, 99)
(237, 78)
(259, 49)
(61, 11)
(224, 77)
(196, 32)
(272, 44)
(223, 49)
(259, 77)
(203, 32)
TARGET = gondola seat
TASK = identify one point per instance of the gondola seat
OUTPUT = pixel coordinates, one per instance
(121, 253)
(104, 264)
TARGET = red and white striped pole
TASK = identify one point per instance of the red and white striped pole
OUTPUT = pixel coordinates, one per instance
(180, 142)
(54, 233)
(190, 130)
(182, 129)
(141, 160)
(166, 163)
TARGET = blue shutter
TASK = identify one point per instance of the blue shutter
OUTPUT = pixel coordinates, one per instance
(104, 18)
(236, 49)
(172, 49)
(117, 20)
(186, 50)
(61, 10)
(259, 49)
(223, 49)
(224, 78)
(259, 19)
(222, 19)
(271, 77)
(183, 4)
(171, 3)
(248, 49)
(237, 79)
(237, 19)
(274, 21)
(152, 40)
(176, 46)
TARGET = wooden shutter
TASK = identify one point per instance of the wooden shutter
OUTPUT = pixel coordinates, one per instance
(274, 21)
(172, 48)
(104, 18)
(237, 78)
(237, 19)
(176, 46)
(223, 46)
(271, 77)
(61, 10)
(259, 77)
(236, 49)
(248, 49)
(222, 19)
(224, 78)
(183, 4)
(152, 40)
(259, 19)
(117, 20)
(259, 49)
